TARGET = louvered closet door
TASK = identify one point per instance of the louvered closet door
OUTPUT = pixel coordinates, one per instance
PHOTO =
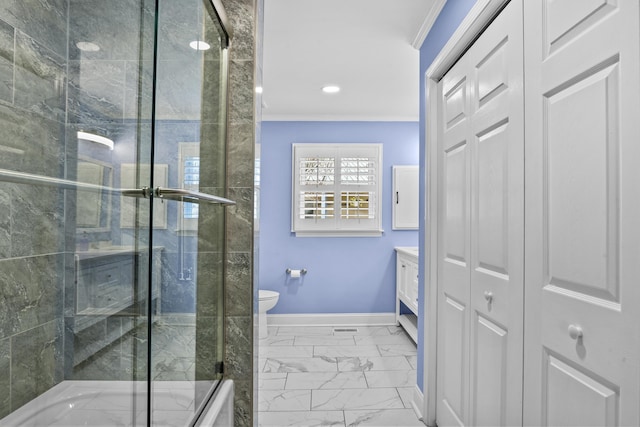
(583, 213)
(480, 248)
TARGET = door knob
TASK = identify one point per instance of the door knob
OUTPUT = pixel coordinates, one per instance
(575, 332)
(488, 296)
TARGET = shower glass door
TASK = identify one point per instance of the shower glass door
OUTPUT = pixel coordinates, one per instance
(188, 213)
(155, 275)
(112, 168)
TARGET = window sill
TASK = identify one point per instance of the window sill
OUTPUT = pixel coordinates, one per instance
(338, 233)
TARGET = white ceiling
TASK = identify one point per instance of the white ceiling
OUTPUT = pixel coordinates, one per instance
(364, 46)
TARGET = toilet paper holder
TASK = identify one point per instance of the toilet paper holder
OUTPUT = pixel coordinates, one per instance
(303, 271)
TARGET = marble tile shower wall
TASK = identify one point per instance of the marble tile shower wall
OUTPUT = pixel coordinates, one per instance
(33, 47)
(240, 297)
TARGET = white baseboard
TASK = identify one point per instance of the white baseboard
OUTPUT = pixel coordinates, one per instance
(332, 319)
(417, 402)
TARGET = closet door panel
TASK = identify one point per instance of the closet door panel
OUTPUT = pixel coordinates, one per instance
(455, 158)
(454, 248)
(481, 238)
(599, 401)
(497, 219)
(492, 72)
(491, 202)
(491, 281)
(455, 99)
(454, 367)
(567, 20)
(456, 204)
(582, 359)
(455, 213)
(490, 374)
(582, 207)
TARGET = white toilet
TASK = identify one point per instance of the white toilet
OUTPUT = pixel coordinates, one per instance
(267, 300)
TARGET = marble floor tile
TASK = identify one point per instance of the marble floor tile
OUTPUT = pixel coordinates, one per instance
(362, 330)
(273, 339)
(325, 380)
(305, 330)
(300, 364)
(284, 400)
(383, 417)
(397, 349)
(346, 351)
(296, 419)
(287, 351)
(406, 394)
(374, 363)
(272, 381)
(377, 379)
(335, 400)
(326, 376)
(383, 339)
(397, 330)
(325, 340)
(413, 361)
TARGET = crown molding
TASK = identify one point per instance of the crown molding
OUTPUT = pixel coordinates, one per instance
(428, 22)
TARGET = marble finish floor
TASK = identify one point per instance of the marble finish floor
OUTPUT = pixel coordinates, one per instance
(342, 376)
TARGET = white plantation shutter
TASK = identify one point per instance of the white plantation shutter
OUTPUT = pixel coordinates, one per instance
(336, 189)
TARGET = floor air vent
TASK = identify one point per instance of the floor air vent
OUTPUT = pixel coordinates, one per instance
(338, 330)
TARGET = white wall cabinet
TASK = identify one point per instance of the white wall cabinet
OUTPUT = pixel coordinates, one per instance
(407, 289)
(405, 197)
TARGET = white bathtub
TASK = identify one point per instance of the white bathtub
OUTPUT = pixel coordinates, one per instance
(121, 403)
(219, 410)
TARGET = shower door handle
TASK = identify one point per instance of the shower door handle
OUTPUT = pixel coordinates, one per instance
(179, 194)
(190, 196)
(144, 192)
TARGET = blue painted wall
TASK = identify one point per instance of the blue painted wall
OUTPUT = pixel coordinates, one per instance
(345, 275)
(450, 17)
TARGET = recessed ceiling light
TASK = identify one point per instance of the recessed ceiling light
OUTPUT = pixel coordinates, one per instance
(331, 89)
(87, 46)
(199, 45)
(258, 89)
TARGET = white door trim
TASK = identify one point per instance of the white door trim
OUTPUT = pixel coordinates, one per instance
(478, 18)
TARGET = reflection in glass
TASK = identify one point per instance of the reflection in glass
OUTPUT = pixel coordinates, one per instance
(93, 209)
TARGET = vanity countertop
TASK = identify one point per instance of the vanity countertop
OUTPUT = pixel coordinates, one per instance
(408, 250)
(110, 251)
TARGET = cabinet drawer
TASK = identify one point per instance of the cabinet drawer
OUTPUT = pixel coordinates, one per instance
(108, 274)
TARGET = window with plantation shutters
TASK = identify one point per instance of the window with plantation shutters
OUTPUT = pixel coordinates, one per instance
(337, 189)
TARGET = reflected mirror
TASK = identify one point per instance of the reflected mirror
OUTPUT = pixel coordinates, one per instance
(93, 209)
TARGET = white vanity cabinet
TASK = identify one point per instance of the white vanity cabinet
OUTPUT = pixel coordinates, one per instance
(407, 289)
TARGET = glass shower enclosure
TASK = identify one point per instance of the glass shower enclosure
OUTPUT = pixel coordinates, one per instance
(112, 210)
